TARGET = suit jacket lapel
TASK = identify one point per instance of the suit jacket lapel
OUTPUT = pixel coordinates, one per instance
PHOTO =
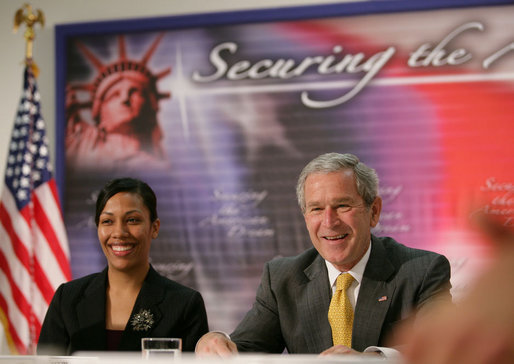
(313, 300)
(91, 315)
(375, 295)
(146, 315)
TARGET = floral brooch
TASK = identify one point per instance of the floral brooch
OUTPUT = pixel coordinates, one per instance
(142, 321)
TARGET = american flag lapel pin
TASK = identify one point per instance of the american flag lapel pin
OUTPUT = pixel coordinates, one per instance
(383, 298)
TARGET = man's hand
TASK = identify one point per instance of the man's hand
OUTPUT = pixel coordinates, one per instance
(341, 349)
(215, 344)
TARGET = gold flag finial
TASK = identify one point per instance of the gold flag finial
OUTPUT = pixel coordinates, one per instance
(26, 16)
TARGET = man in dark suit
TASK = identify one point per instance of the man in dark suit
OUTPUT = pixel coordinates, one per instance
(339, 198)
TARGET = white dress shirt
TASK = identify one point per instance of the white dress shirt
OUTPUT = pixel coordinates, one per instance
(357, 273)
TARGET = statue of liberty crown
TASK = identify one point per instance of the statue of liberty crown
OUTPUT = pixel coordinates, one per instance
(111, 73)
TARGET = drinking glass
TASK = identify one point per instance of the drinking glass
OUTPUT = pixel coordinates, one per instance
(161, 347)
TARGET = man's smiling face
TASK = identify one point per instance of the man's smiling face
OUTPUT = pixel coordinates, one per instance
(338, 221)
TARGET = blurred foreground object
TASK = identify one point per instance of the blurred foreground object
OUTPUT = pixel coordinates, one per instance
(480, 328)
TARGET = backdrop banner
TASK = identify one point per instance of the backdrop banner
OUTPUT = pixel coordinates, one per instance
(218, 113)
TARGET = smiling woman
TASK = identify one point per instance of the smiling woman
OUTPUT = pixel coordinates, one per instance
(127, 222)
(112, 310)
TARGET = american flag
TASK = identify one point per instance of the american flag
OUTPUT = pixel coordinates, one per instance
(34, 253)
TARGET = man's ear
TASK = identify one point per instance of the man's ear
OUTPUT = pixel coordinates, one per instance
(376, 208)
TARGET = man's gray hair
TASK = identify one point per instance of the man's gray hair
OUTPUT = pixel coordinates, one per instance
(366, 178)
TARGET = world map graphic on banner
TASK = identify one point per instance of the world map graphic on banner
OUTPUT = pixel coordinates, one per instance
(228, 115)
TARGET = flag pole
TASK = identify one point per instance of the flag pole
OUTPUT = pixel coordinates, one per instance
(26, 16)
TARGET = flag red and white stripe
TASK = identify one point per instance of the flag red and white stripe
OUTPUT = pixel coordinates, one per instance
(34, 253)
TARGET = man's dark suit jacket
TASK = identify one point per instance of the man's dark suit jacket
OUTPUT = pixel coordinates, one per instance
(291, 307)
(75, 320)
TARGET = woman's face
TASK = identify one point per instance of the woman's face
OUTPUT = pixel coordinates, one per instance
(125, 231)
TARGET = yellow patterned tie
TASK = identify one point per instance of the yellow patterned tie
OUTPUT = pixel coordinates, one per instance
(340, 312)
